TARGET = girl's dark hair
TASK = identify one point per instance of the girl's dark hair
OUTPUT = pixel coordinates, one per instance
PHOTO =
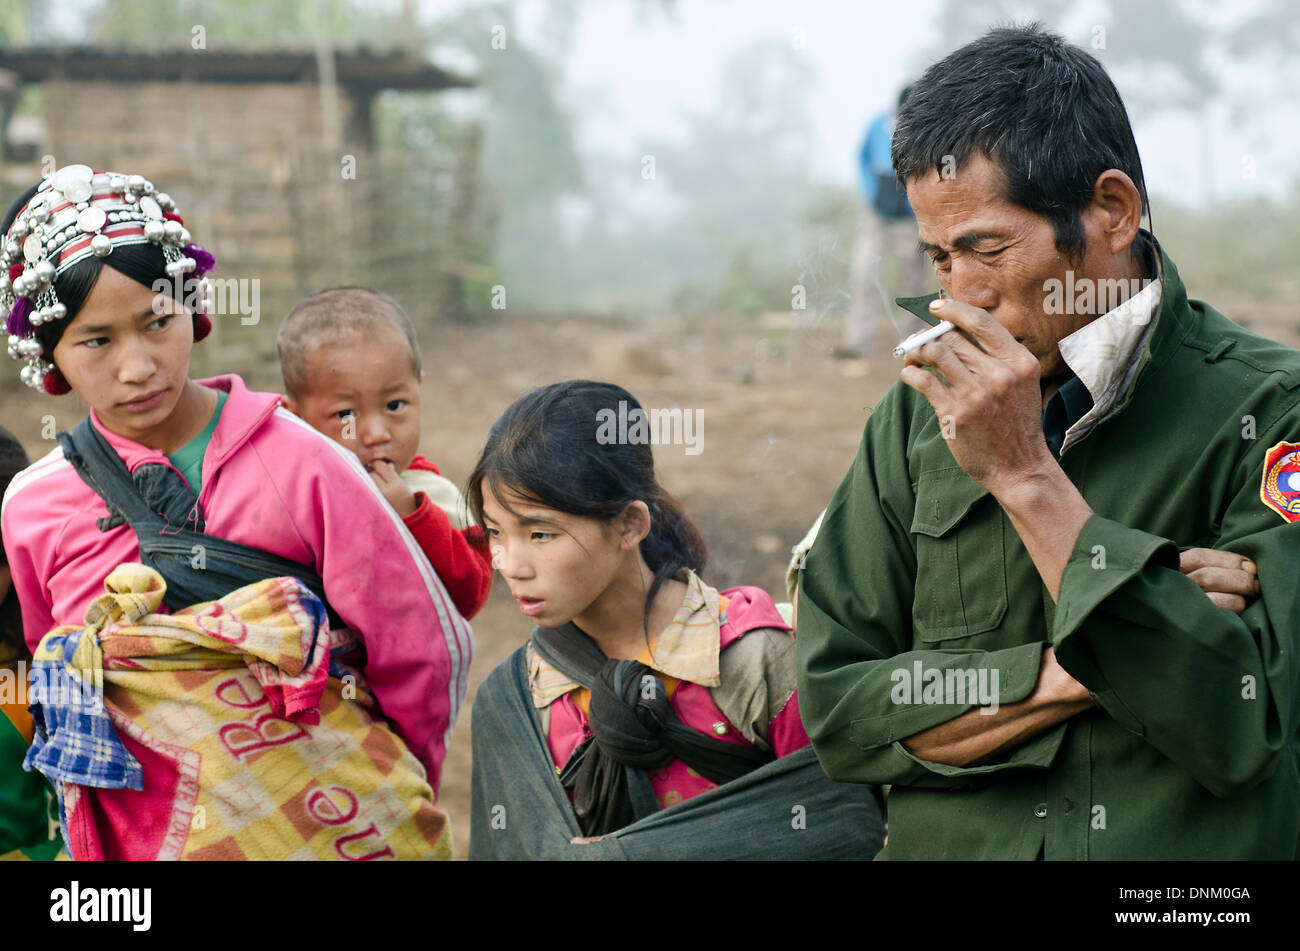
(545, 449)
(12, 461)
(142, 263)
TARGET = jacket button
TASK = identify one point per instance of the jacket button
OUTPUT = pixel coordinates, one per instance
(1040, 810)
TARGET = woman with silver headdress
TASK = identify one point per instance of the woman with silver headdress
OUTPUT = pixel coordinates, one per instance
(208, 501)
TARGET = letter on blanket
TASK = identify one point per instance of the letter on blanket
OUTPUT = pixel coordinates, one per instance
(341, 841)
(325, 810)
(245, 739)
(239, 697)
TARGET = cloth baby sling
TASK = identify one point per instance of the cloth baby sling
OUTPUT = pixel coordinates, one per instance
(785, 809)
(157, 504)
(634, 729)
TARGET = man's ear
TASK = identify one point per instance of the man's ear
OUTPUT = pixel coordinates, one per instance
(633, 524)
(1118, 209)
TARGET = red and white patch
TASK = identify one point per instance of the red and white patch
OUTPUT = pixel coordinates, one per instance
(1280, 488)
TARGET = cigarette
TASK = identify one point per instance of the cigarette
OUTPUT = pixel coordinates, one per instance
(924, 337)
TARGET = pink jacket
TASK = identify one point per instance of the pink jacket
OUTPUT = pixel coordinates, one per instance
(270, 481)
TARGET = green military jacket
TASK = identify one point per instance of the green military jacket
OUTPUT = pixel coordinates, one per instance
(1191, 751)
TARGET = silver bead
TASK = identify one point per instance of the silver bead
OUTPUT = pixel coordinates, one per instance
(12, 248)
(25, 374)
(45, 271)
(172, 230)
(102, 245)
(6, 286)
(154, 230)
(135, 183)
(20, 285)
(39, 214)
(20, 229)
(165, 201)
(46, 316)
(117, 183)
(58, 311)
(148, 187)
(82, 205)
(185, 236)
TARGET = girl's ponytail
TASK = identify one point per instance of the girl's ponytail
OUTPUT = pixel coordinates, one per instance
(674, 542)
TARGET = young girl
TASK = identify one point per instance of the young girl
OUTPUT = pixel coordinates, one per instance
(104, 300)
(645, 687)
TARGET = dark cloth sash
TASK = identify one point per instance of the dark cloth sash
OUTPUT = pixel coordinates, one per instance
(158, 505)
(634, 729)
(787, 809)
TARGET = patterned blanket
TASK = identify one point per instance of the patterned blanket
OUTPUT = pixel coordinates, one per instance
(218, 732)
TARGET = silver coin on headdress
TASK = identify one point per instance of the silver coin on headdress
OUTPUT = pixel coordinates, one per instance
(91, 220)
(74, 182)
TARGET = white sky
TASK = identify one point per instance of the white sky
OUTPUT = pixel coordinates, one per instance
(649, 67)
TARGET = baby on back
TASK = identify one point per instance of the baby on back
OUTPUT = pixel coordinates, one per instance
(352, 370)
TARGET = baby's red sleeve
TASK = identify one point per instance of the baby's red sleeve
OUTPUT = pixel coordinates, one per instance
(460, 557)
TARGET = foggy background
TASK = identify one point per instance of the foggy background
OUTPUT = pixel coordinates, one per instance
(752, 114)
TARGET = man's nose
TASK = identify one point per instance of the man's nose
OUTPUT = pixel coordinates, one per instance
(969, 284)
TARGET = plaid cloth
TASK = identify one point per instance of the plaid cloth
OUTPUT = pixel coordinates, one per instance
(75, 741)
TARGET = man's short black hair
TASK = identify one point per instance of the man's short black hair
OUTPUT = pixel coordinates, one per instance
(1045, 112)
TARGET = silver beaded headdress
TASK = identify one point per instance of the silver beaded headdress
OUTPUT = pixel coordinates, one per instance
(76, 213)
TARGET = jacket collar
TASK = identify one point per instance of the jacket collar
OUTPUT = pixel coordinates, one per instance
(244, 412)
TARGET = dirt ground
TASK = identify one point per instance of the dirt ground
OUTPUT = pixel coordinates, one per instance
(781, 423)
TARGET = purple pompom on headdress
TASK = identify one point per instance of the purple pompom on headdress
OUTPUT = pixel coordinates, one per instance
(203, 259)
(18, 324)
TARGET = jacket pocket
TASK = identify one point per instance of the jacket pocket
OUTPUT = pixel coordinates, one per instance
(961, 579)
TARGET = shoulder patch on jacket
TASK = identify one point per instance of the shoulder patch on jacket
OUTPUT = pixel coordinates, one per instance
(1280, 487)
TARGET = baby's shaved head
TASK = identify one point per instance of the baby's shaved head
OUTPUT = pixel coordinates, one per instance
(334, 316)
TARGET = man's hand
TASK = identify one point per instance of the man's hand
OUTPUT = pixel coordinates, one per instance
(399, 495)
(1229, 580)
(991, 411)
(975, 737)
